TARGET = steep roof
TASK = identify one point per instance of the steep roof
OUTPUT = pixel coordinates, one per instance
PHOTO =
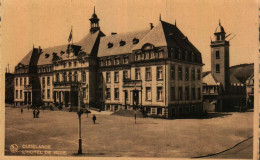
(155, 37)
(238, 74)
(242, 72)
(115, 39)
(88, 41)
(166, 34)
(209, 80)
(87, 44)
(26, 59)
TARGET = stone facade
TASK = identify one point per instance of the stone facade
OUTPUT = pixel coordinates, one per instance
(156, 70)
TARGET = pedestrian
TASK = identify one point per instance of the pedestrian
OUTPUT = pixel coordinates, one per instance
(34, 116)
(38, 113)
(21, 110)
(94, 119)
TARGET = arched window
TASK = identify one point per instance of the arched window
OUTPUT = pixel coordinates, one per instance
(83, 77)
(70, 76)
(75, 76)
(57, 77)
(64, 77)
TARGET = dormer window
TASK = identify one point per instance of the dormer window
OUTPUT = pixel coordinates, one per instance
(47, 55)
(122, 43)
(110, 45)
(135, 41)
(62, 52)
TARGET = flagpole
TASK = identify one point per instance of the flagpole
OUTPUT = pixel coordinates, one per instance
(72, 33)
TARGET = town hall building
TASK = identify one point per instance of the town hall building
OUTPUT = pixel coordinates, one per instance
(157, 69)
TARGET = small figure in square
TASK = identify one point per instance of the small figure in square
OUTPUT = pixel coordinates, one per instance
(34, 113)
(21, 110)
(94, 119)
(38, 113)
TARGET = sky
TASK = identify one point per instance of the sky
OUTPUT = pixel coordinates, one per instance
(47, 23)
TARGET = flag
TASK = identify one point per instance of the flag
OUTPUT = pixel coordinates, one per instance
(70, 36)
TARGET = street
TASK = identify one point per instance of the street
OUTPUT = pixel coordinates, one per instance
(118, 136)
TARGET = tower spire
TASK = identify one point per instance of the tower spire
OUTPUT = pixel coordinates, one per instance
(219, 23)
(94, 10)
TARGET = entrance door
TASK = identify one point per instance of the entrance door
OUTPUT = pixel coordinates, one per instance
(67, 99)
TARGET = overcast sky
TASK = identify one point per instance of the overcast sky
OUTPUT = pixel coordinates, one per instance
(47, 23)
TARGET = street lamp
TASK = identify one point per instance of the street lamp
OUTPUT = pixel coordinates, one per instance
(79, 122)
(79, 115)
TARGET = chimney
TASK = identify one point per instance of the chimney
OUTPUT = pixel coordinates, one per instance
(151, 26)
(113, 33)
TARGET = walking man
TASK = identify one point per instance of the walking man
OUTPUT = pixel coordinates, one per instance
(94, 119)
(34, 113)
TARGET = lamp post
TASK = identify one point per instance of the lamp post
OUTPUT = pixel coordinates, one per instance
(79, 121)
(79, 117)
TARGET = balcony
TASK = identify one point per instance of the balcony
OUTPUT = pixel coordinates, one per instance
(28, 87)
(68, 83)
(132, 83)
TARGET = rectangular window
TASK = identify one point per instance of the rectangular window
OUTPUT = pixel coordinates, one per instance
(48, 81)
(108, 62)
(16, 94)
(137, 74)
(148, 110)
(21, 81)
(84, 92)
(217, 68)
(148, 75)
(193, 94)
(193, 74)
(187, 93)
(108, 77)
(48, 93)
(159, 73)
(180, 93)
(16, 81)
(125, 75)
(199, 95)
(125, 60)
(21, 94)
(198, 74)
(173, 72)
(172, 93)
(108, 96)
(126, 95)
(25, 82)
(116, 78)
(83, 76)
(180, 73)
(153, 110)
(159, 94)
(148, 94)
(117, 61)
(217, 55)
(43, 94)
(187, 74)
(43, 81)
(116, 93)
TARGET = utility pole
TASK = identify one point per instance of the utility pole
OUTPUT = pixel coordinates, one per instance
(79, 122)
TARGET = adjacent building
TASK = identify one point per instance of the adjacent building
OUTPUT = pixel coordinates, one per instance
(226, 88)
(157, 69)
